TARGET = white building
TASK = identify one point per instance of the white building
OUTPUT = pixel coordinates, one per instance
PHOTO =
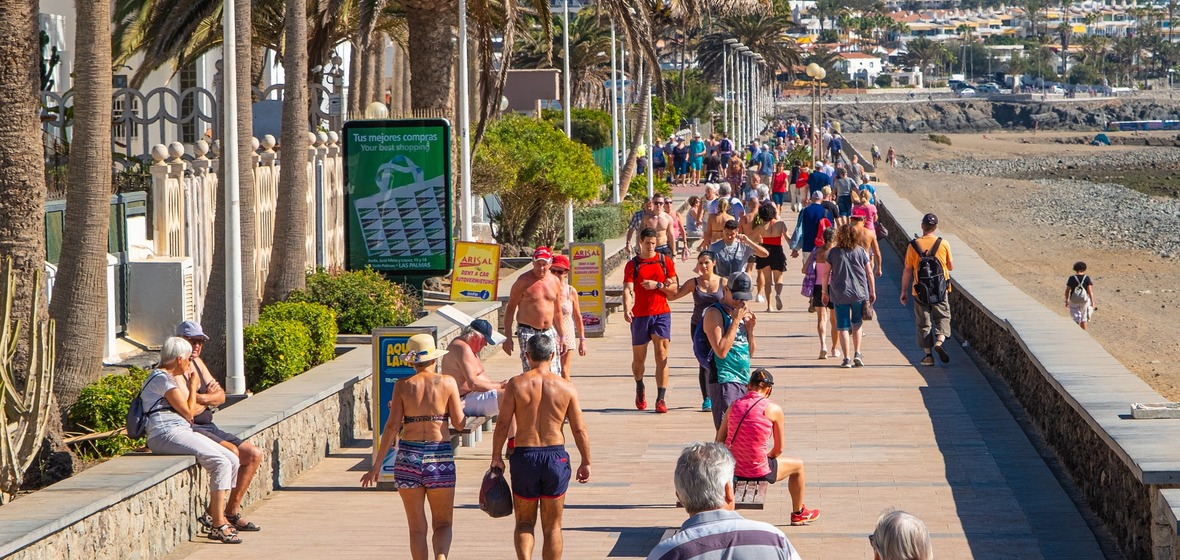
(859, 65)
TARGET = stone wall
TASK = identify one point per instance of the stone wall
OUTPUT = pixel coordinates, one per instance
(1110, 481)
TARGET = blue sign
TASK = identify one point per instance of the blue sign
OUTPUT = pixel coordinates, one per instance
(481, 294)
(389, 343)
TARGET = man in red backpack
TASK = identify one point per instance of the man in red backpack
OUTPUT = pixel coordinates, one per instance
(927, 273)
(648, 280)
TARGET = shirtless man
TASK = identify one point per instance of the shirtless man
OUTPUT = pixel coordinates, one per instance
(210, 394)
(540, 404)
(481, 395)
(534, 304)
(868, 239)
(656, 218)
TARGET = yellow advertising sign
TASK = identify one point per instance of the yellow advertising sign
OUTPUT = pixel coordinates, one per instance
(586, 276)
(476, 273)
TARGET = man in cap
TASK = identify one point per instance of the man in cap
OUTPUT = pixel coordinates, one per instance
(680, 155)
(209, 396)
(818, 178)
(933, 318)
(729, 326)
(534, 303)
(696, 151)
(808, 224)
(481, 395)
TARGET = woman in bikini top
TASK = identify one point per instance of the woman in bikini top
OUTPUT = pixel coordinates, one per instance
(715, 228)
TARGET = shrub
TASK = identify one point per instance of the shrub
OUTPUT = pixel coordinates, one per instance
(884, 80)
(600, 222)
(637, 190)
(940, 139)
(102, 406)
(319, 320)
(276, 350)
(362, 299)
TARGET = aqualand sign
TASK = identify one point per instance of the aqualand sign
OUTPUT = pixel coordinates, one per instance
(476, 272)
(586, 276)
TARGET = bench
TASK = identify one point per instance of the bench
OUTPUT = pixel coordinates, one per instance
(613, 303)
(472, 431)
(747, 494)
(750, 494)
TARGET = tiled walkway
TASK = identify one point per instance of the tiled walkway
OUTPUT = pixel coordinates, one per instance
(934, 441)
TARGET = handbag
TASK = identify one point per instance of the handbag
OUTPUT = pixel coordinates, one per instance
(495, 498)
(866, 311)
(797, 236)
(809, 277)
(882, 233)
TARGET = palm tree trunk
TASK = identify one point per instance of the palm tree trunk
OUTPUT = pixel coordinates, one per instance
(355, 61)
(80, 291)
(396, 105)
(289, 257)
(431, 26)
(637, 130)
(376, 69)
(407, 101)
(22, 176)
(366, 75)
(213, 315)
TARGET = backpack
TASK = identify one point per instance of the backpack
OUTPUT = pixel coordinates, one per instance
(136, 416)
(700, 341)
(635, 265)
(1078, 295)
(930, 287)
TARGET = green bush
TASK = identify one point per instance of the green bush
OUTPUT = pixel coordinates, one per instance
(599, 222)
(884, 80)
(319, 320)
(362, 300)
(637, 190)
(276, 350)
(102, 406)
(940, 139)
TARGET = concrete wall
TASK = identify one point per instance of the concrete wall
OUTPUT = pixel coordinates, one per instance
(141, 506)
(1078, 395)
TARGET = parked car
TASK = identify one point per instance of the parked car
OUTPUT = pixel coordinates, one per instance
(988, 88)
(967, 92)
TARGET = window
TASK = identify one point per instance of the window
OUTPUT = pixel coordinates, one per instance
(188, 102)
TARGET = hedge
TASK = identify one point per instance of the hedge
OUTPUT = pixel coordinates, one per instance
(102, 407)
(319, 320)
(276, 350)
(362, 300)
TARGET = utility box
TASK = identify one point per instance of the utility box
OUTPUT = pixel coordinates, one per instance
(160, 296)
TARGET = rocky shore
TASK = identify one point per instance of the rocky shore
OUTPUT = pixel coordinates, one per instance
(978, 115)
(1145, 158)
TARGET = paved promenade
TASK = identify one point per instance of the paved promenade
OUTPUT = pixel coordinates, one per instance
(934, 441)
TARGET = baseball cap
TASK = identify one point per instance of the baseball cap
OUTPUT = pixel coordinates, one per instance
(482, 327)
(862, 213)
(190, 329)
(816, 195)
(543, 253)
(561, 262)
(731, 224)
(741, 287)
(696, 135)
(930, 220)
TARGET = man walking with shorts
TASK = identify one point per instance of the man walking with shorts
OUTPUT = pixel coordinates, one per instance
(539, 404)
(648, 280)
(534, 304)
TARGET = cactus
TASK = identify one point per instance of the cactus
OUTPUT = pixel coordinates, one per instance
(24, 416)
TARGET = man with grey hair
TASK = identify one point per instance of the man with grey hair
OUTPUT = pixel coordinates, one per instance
(539, 404)
(704, 484)
(900, 536)
(479, 393)
(735, 205)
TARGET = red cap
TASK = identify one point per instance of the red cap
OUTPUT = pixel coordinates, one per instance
(561, 262)
(543, 253)
(860, 212)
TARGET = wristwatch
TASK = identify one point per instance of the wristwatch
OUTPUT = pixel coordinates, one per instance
(659, 285)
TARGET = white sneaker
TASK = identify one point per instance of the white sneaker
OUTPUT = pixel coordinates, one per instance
(759, 299)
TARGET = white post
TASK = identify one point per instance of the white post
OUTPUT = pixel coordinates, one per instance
(651, 177)
(614, 117)
(566, 107)
(235, 364)
(464, 126)
(725, 91)
(623, 105)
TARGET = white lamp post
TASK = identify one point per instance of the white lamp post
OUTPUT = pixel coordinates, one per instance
(725, 83)
(614, 117)
(464, 127)
(566, 107)
(651, 177)
(235, 364)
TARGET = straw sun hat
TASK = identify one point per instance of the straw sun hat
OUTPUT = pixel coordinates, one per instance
(421, 349)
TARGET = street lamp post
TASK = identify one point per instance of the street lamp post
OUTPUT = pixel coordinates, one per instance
(614, 118)
(235, 368)
(817, 74)
(464, 127)
(725, 83)
(566, 104)
(739, 105)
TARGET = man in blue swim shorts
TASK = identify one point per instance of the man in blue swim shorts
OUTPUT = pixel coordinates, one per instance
(539, 403)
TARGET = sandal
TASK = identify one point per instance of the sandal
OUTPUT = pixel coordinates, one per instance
(236, 521)
(225, 534)
(206, 522)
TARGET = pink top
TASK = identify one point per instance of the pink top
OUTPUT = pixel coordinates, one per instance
(749, 445)
(869, 212)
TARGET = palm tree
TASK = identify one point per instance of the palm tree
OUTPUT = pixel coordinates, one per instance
(1033, 9)
(289, 258)
(80, 292)
(763, 32)
(924, 53)
(22, 177)
(589, 48)
(827, 10)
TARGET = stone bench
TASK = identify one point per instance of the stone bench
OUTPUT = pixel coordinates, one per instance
(472, 432)
(750, 494)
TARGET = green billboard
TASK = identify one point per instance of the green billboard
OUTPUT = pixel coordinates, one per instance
(397, 185)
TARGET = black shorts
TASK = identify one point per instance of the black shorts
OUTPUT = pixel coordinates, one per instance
(817, 298)
(771, 477)
(776, 260)
(664, 250)
(540, 472)
(216, 434)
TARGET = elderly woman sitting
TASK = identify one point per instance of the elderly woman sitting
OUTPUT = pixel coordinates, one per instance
(169, 396)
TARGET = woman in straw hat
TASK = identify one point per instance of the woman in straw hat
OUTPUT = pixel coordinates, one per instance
(424, 467)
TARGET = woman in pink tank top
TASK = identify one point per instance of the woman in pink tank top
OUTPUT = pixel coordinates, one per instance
(754, 430)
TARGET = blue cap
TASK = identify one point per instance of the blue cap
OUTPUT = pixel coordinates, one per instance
(190, 329)
(482, 327)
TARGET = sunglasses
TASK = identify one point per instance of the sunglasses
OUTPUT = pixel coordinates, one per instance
(559, 272)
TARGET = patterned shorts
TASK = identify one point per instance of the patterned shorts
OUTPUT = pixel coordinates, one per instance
(524, 333)
(424, 464)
